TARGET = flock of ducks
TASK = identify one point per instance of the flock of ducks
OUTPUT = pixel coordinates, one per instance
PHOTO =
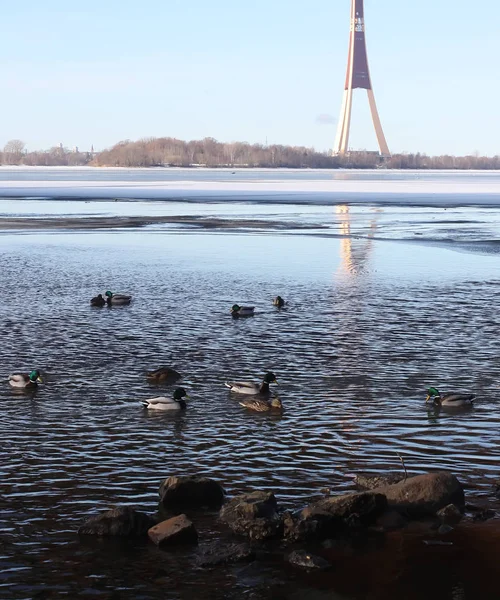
(259, 401)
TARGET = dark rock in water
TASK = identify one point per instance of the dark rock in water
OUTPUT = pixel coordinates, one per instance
(484, 515)
(327, 517)
(303, 559)
(254, 515)
(497, 488)
(365, 505)
(444, 529)
(191, 492)
(219, 553)
(424, 494)
(178, 530)
(119, 521)
(450, 514)
(370, 482)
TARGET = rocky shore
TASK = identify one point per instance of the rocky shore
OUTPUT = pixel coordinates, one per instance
(433, 504)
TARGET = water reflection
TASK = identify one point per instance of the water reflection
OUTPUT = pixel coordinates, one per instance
(354, 250)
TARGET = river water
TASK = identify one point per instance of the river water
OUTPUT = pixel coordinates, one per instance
(383, 302)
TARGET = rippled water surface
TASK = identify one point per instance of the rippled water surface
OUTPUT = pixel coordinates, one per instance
(369, 325)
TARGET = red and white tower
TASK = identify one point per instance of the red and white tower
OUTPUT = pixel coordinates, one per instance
(358, 76)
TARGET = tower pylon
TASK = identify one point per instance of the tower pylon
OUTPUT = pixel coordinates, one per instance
(358, 76)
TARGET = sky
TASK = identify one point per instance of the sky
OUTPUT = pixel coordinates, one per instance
(100, 71)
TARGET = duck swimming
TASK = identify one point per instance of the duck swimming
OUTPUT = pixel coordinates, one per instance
(177, 402)
(252, 389)
(242, 311)
(98, 301)
(450, 399)
(262, 405)
(117, 299)
(279, 302)
(25, 380)
(163, 375)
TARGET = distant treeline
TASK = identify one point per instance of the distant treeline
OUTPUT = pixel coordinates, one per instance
(170, 152)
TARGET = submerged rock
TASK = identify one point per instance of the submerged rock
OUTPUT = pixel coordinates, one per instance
(424, 494)
(484, 514)
(254, 515)
(450, 514)
(329, 516)
(191, 492)
(119, 521)
(305, 560)
(219, 553)
(178, 530)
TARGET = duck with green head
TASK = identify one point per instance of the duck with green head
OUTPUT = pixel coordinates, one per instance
(242, 311)
(177, 402)
(450, 399)
(117, 299)
(25, 380)
(250, 388)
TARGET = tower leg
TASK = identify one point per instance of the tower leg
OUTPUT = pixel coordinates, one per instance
(382, 144)
(342, 139)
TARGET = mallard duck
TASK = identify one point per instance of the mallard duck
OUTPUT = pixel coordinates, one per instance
(177, 402)
(262, 405)
(242, 311)
(117, 299)
(451, 399)
(98, 301)
(162, 375)
(25, 380)
(279, 302)
(252, 389)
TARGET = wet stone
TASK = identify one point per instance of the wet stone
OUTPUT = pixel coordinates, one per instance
(450, 514)
(119, 521)
(177, 530)
(219, 553)
(484, 515)
(305, 560)
(254, 515)
(179, 493)
(424, 494)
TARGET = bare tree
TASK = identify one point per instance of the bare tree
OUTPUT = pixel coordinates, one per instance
(13, 152)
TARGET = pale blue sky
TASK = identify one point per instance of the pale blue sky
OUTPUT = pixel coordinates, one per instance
(100, 71)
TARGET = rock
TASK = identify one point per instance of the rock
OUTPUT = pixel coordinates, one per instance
(254, 515)
(191, 492)
(120, 521)
(424, 494)
(444, 529)
(484, 515)
(178, 530)
(450, 514)
(303, 559)
(364, 506)
(371, 482)
(326, 517)
(218, 553)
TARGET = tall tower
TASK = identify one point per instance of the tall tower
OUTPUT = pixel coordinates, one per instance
(358, 76)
